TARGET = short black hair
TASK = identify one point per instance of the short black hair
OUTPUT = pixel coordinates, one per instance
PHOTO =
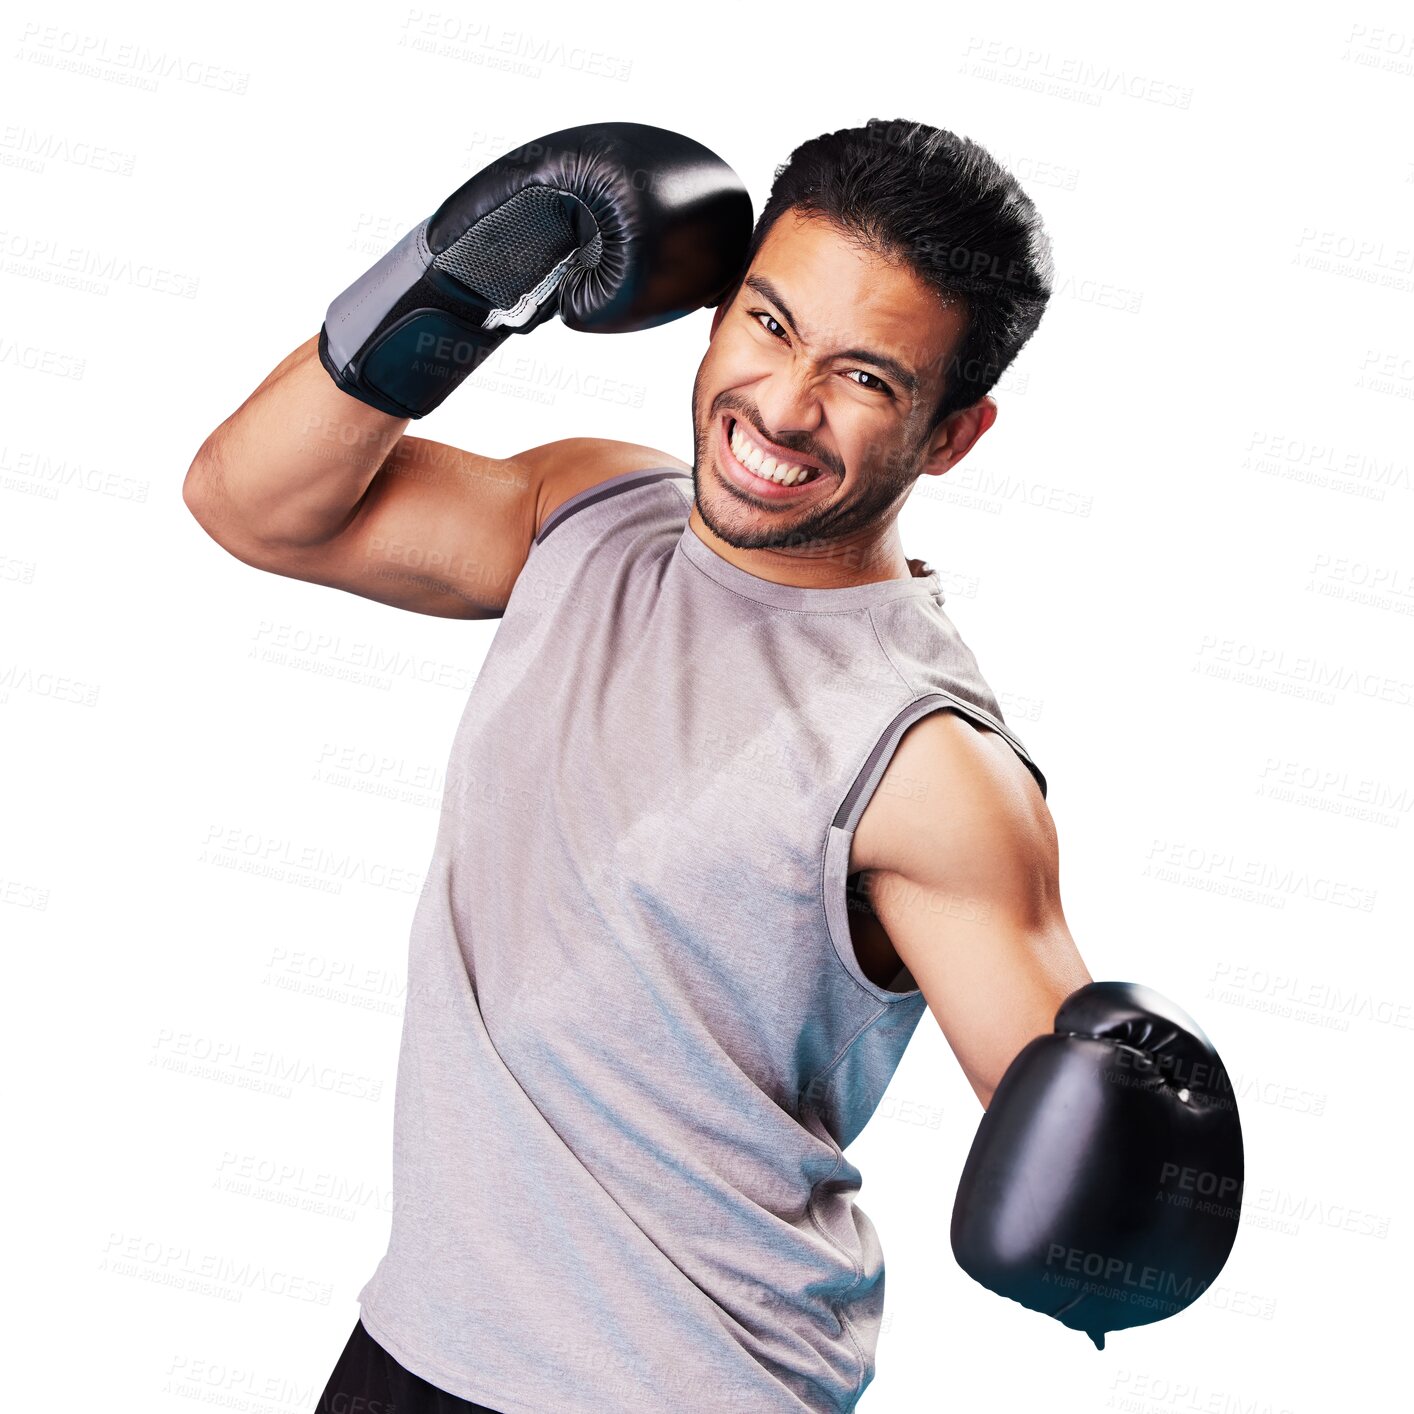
(946, 207)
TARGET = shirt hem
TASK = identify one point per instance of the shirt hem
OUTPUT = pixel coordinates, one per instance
(418, 1363)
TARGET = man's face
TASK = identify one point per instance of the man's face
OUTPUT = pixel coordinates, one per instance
(838, 358)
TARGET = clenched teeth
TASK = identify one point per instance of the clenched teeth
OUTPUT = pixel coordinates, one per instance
(754, 459)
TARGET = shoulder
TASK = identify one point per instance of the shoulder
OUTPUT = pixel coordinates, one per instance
(954, 794)
(565, 468)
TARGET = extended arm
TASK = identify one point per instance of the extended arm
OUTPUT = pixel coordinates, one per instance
(1104, 1185)
(966, 883)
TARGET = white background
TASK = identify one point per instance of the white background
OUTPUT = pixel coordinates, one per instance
(1182, 557)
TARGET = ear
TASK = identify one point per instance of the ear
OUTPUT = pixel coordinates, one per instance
(956, 435)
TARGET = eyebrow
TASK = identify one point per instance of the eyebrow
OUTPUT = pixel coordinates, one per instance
(907, 378)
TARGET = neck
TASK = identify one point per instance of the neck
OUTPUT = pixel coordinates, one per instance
(842, 564)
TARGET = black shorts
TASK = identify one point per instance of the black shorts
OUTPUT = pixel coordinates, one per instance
(367, 1380)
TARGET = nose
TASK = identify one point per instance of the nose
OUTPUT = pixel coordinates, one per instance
(788, 404)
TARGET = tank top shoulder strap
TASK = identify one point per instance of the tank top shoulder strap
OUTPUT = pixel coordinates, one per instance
(606, 490)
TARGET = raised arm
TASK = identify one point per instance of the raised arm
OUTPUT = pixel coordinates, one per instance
(612, 227)
(303, 480)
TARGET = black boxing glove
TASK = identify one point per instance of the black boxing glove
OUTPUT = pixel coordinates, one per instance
(612, 226)
(1105, 1180)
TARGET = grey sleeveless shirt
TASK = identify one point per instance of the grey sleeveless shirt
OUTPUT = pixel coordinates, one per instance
(637, 1040)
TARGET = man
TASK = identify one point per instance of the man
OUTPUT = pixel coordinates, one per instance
(731, 804)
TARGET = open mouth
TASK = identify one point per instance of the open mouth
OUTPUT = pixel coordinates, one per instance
(752, 470)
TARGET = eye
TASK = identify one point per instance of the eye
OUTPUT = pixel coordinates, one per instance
(761, 314)
(882, 386)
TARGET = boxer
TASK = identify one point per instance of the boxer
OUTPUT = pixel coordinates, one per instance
(731, 805)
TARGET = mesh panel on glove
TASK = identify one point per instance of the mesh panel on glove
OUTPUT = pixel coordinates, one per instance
(516, 255)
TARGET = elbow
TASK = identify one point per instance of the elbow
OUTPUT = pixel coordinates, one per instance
(196, 485)
(201, 494)
(204, 495)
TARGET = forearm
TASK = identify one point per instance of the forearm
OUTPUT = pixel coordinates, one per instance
(290, 466)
